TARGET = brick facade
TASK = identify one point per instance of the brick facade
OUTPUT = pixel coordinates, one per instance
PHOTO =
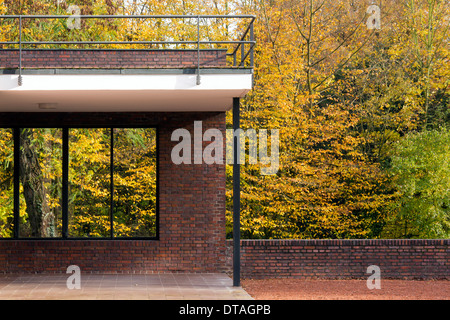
(191, 208)
(191, 197)
(342, 259)
(111, 59)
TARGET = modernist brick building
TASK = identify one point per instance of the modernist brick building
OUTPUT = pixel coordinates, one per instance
(64, 90)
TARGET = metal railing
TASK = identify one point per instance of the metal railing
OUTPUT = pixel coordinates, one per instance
(239, 50)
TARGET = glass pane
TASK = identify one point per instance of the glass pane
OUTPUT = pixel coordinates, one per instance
(6, 183)
(89, 183)
(41, 183)
(134, 182)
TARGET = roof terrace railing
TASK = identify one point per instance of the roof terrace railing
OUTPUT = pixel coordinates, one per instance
(242, 50)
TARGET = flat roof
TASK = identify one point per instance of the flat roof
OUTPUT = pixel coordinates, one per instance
(123, 90)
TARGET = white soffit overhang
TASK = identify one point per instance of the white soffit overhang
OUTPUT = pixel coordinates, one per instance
(124, 92)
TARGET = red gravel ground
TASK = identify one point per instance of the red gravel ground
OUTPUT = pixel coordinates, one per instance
(296, 289)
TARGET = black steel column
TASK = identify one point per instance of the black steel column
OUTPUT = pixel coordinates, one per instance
(236, 197)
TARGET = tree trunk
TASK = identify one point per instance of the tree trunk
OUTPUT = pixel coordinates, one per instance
(32, 181)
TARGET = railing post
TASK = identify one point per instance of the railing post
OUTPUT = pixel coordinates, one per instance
(20, 81)
(198, 51)
(252, 52)
(242, 53)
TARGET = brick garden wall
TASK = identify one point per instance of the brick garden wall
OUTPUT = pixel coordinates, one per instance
(191, 214)
(116, 59)
(342, 259)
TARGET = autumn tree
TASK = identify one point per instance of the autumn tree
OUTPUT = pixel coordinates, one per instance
(421, 169)
(325, 187)
(428, 23)
(342, 95)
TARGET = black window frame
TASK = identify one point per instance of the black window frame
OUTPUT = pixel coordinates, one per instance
(65, 183)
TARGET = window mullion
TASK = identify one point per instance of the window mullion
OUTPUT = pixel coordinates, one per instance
(16, 137)
(111, 167)
(65, 183)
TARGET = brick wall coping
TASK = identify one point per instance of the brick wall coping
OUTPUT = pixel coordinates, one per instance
(45, 242)
(343, 242)
(262, 242)
(148, 71)
(61, 50)
(81, 49)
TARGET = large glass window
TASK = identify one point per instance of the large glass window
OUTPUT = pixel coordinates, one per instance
(78, 183)
(6, 183)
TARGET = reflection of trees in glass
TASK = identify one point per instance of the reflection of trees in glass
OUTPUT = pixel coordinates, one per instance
(40, 178)
(89, 207)
(6, 182)
(134, 182)
(89, 182)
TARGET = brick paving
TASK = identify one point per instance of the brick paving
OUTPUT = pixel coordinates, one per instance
(211, 286)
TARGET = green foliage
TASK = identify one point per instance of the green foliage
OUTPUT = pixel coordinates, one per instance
(421, 169)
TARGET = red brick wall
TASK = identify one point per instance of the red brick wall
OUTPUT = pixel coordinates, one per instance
(116, 59)
(342, 259)
(191, 208)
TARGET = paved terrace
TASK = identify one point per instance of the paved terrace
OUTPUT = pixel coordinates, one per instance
(170, 286)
